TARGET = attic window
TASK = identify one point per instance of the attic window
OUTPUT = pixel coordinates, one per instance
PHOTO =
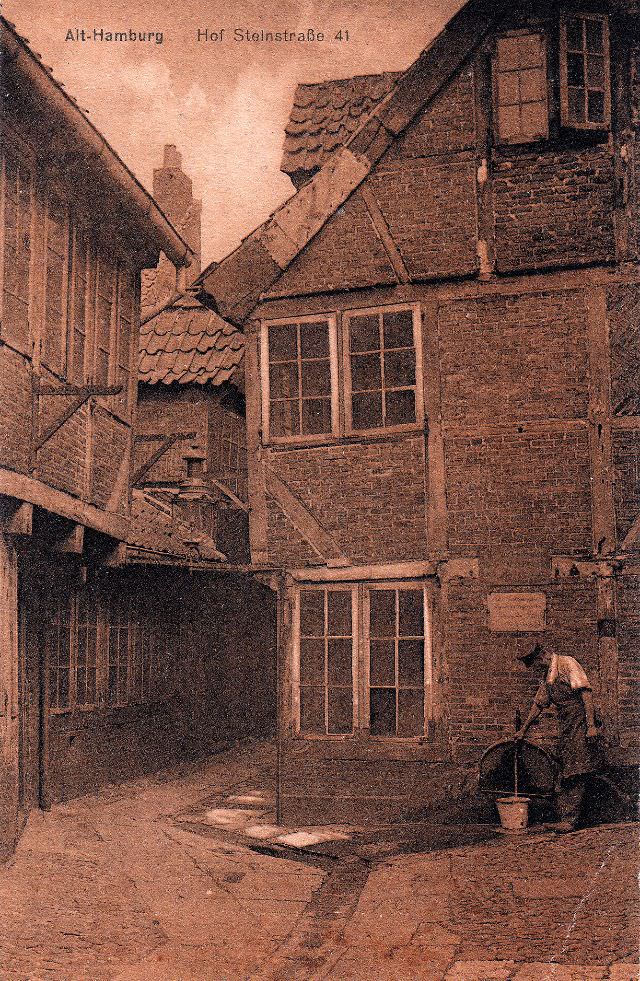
(585, 85)
(520, 89)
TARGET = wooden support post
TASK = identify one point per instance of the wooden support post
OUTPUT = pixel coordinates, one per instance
(8, 695)
(485, 211)
(602, 504)
(608, 658)
(257, 488)
(435, 476)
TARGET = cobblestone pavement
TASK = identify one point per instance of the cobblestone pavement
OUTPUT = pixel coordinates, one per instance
(113, 887)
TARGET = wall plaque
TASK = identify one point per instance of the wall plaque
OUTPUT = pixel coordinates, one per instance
(517, 612)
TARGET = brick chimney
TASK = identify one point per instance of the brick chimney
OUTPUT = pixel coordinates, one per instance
(173, 192)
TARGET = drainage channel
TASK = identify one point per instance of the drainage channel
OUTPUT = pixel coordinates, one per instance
(317, 941)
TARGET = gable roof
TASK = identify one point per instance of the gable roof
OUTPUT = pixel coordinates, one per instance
(93, 158)
(186, 343)
(236, 284)
(323, 117)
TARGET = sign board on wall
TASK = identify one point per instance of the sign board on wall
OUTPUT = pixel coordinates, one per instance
(517, 612)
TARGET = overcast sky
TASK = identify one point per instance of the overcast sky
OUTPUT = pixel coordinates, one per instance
(224, 104)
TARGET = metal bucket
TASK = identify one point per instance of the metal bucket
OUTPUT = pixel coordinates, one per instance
(514, 813)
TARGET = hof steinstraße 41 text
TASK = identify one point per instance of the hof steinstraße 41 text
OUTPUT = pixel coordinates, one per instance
(247, 34)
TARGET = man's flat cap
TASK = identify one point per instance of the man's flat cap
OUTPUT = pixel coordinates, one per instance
(530, 656)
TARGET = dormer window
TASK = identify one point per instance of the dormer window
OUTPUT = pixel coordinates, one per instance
(585, 84)
(520, 88)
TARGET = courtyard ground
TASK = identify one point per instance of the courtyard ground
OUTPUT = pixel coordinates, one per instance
(157, 880)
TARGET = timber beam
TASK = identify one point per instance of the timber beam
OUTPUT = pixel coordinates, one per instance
(16, 517)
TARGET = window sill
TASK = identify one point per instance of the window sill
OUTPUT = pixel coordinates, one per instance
(347, 439)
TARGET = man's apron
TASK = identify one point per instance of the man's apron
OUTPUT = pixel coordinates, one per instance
(578, 757)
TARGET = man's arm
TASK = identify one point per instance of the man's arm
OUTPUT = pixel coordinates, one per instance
(534, 712)
(587, 700)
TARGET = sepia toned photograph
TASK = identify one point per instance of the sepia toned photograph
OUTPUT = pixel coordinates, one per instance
(320, 490)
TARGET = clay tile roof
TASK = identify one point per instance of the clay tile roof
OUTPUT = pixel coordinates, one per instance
(323, 117)
(153, 529)
(185, 343)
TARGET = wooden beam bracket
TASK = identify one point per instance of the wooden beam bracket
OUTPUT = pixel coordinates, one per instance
(82, 394)
(167, 441)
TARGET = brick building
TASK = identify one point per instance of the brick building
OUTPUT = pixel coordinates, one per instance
(442, 399)
(126, 637)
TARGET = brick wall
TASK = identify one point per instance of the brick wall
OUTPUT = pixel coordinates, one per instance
(484, 683)
(623, 303)
(370, 497)
(626, 485)
(15, 410)
(164, 409)
(554, 208)
(529, 491)
(522, 357)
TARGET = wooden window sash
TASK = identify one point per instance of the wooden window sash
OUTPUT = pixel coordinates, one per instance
(417, 388)
(331, 321)
(100, 263)
(297, 687)
(23, 163)
(520, 138)
(61, 368)
(428, 693)
(564, 81)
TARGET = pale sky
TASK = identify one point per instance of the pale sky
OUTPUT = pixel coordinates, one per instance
(224, 104)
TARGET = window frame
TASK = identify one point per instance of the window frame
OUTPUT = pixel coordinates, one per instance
(71, 601)
(60, 370)
(380, 310)
(23, 156)
(521, 140)
(360, 612)
(99, 258)
(428, 700)
(355, 646)
(309, 438)
(565, 121)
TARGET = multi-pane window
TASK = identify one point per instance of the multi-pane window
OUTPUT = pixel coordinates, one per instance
(58, 648)
(398, 656)
(86, 648)
(71, 645)
(80, 280)
(233, 454)
(326, 660)
(16, 257)
(584, 71)
(105, 301)
(126, 301)
(54, 341)
(382, 369)
(371, 638)
(300, 378)
(520, 88)
(119, 631)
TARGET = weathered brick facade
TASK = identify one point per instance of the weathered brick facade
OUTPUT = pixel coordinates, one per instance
(521, 479)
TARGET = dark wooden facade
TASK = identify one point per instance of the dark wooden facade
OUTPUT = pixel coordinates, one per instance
(122, 634)
(442, 404)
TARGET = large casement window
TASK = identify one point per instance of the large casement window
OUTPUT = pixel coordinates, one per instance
(326, 661)
(57, 254)
(124, 334)
(15, 269)
(585, 83)
(382, 348)
(108, 648)
(77, 369)
(104, 319)
(362, 660)
(520, 88)
(300, 377)
(399, 659)
(71, 645)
